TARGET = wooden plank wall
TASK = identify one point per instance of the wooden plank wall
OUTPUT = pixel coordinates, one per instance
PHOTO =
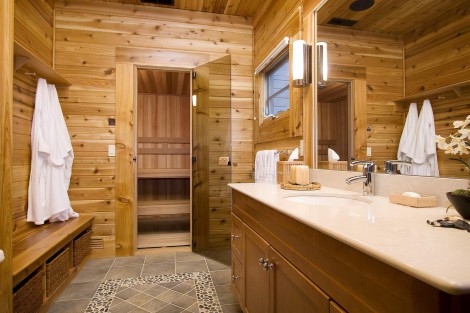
(34, 20)
(87, 35)
(276, 20)
(33, 29)
(367, 56)
(6, 107)
(437, 57)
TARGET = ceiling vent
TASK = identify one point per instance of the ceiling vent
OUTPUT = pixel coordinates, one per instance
(336, 21)
(160, 2)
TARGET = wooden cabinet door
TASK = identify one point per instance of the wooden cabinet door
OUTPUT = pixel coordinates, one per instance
(238, 281)
(291, 291)
(237, 238)
(256, 278)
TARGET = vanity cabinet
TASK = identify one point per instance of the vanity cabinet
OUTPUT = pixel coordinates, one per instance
(272, 283)
(305, 270)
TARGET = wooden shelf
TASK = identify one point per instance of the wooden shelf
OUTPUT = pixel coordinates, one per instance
(163, 208)
(173, 140)
(163, 239)
(37, 66)
(452, 91)
(163, 173)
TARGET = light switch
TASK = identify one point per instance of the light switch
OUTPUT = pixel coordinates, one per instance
(369, 151)
(111, 150)
(224, 160)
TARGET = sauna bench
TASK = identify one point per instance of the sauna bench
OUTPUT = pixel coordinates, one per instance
(31, 250)
(379, 258)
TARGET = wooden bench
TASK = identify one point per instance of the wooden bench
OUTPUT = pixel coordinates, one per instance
(32, 249)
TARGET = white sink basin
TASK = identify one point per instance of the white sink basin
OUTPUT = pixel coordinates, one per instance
(330, 199)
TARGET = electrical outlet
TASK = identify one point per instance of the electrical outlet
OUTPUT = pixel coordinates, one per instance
(369, 151)
(111, 150)
(224, 160)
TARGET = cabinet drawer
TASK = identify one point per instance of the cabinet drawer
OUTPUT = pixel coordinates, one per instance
(238, 280)
(237, 238)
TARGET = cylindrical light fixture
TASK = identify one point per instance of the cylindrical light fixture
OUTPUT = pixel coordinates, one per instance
(194, 100)
(322, 50)
(298, 60)
(301, 63)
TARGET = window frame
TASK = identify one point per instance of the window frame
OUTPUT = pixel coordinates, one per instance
(280, 61)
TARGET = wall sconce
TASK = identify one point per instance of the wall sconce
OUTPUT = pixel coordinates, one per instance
(194, 100)
(322, 63)
(301, 63)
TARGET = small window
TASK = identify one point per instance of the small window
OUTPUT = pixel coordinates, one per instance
(277, 86)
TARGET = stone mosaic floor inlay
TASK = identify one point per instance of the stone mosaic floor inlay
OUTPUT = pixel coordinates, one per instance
(187, 292)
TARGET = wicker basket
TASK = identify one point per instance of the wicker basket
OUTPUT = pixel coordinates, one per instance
(29, 297)
(283, 170)
(57, 269)
(81, 247)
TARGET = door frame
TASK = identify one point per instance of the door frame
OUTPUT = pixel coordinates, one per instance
(135, 86)
(127, 61)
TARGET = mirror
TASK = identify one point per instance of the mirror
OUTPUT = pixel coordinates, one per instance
(399, 52)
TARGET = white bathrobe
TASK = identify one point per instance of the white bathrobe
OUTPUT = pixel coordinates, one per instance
(51, 160)
(423, 152)
(407, 137)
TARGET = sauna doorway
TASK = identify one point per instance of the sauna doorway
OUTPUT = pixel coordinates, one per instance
(163, 167)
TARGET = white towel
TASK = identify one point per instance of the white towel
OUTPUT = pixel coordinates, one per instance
(407, 137)
(332, 155)
(423, 149)
(265, 166)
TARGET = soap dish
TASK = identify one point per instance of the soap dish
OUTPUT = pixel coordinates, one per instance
(311, 186)
(423, 202)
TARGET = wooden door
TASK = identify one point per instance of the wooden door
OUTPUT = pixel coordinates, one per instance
(211, 139)
(291, 291)
(256, 277)
(126, 220)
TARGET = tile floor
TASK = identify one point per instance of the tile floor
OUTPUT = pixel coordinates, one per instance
(159, 282)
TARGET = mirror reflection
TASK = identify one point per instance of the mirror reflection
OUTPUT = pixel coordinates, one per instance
(392, 54)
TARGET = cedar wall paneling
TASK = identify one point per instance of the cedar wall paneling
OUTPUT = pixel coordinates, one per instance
(33, 30)
(34, 27)
(438, 57)
(280, 19)
(6, 107)
(87, 35)
(24, 90)
(377, 59)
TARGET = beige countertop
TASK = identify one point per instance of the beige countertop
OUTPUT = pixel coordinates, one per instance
(397, 235)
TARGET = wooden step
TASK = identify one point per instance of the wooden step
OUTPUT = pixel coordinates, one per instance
(163, 239)
(163, 173)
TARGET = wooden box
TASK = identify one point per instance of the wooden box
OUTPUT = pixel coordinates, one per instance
(423, 202)
(283, 170)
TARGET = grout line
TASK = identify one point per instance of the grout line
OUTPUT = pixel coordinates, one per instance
(143, 264)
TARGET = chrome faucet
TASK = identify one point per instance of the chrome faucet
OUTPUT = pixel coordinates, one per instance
(366, 178)
(391, 166)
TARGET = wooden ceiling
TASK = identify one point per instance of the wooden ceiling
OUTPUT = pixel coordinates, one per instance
(397, 17)
(333, 92)
(152, 81)
(230, 7)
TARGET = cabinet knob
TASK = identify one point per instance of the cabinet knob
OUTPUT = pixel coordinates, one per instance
(235, 237)
(266, 265)
(261, 261)
(234, 278)
(271, 266)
